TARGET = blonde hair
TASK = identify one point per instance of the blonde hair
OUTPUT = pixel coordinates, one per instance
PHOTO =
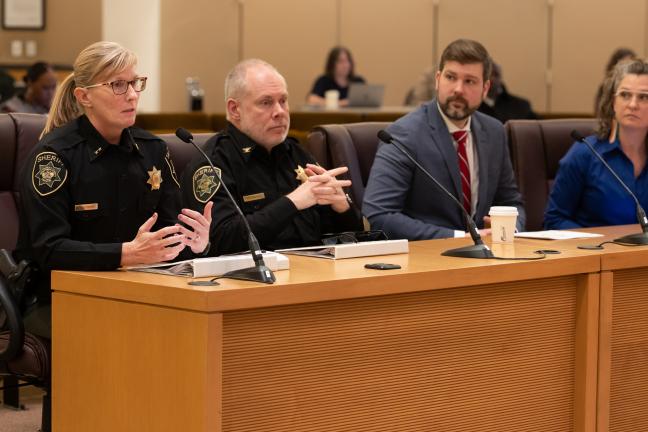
(97, 60)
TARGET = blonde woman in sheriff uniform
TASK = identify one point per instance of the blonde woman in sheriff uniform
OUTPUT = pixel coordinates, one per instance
(98, 193)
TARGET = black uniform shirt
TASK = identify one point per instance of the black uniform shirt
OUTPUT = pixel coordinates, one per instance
(259, 181)
(82, 197)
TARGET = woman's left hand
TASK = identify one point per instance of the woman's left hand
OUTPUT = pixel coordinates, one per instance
(198, 239)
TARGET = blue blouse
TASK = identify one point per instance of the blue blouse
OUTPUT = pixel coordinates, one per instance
(586, 194)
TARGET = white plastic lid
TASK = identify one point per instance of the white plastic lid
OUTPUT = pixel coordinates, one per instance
(503, 211)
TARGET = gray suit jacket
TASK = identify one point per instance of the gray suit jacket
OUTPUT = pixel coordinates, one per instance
(403, 202)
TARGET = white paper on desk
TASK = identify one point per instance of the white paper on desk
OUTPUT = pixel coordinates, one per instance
(213, 266)
(352, 250)
(556, 235)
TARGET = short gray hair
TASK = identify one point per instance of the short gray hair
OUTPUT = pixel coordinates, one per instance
(235, 80)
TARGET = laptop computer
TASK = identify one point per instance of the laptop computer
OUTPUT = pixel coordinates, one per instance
(366, 95)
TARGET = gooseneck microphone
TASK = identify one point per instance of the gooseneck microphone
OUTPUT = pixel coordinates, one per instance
(631, 239)
(260, 272)
(479, 249)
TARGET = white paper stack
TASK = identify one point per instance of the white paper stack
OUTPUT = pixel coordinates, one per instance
(352, 250)
(214, 266)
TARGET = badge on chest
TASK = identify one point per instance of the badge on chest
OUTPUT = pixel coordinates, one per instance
(155, 178)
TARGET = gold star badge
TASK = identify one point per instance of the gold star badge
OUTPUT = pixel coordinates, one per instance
(155, 178)
(301, 174)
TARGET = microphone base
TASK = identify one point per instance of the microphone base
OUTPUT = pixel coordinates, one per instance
(474, 251)
(633, 239)
(255, 274)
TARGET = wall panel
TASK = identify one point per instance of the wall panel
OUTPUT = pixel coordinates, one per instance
(514, 33)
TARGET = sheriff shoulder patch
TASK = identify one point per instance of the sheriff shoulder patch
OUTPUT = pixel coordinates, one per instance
(48, 174)
(205, 183)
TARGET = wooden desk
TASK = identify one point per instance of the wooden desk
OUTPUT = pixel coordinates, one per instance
(444, 344)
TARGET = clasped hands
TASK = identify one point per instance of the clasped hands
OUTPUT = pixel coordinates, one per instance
(322, 188)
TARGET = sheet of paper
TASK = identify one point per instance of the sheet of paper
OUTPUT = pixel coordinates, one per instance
(556, 235)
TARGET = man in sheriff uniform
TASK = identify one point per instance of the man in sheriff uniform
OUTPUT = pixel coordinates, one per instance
(288, 200)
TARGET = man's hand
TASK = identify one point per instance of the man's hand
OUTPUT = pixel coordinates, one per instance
(321, 188)
(329, 190)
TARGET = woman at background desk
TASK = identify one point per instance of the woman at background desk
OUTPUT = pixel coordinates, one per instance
(339, 74)
(585, 194)
(96, 192)
(40, 85)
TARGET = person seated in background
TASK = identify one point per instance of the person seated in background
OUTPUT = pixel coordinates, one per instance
(7, 89)
(339, 73)
(97, 193)
(40, 85)
(288, 200)
(619, 55)
(501, 104)
(465, 150)
(585, 193)
(423, 90)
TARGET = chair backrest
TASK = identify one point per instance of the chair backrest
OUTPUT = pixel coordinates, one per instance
(536, 149)
(181, 152)
(353, 145)
(18, 135)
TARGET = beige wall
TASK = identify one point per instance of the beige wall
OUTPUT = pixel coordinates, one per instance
(552, 51)
(70, 26)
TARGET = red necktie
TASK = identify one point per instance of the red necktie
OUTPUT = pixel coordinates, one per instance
(460, 138)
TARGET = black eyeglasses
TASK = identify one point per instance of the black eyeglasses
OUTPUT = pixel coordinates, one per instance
(353, 237)
(119, 87)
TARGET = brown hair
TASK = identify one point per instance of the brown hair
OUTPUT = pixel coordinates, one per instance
(97, 60)
(605, 109)
(466, 51)
(332, 58)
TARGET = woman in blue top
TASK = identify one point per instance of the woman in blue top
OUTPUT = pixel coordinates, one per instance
(585, 194)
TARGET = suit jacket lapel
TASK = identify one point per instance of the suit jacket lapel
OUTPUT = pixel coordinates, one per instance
(480, 140)
(443, 142)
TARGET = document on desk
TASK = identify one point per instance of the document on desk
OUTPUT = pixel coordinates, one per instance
(556, 235)
(352, 250)
(213, 266)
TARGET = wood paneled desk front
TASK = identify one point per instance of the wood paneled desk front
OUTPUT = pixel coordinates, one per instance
(444, 344)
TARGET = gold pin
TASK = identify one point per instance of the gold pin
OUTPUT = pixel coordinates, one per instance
(247, 149)
(301, 174)
(155, 178)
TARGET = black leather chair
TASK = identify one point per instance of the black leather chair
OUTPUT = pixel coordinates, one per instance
(23, 356)
(536, 149)
(353, 145)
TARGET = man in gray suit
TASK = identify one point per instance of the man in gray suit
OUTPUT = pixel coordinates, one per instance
(465, 150)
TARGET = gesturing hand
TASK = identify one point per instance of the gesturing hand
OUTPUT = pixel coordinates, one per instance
(197, 239)
(150, 247)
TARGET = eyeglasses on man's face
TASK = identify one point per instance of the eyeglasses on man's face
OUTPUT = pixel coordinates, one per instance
(119, 87)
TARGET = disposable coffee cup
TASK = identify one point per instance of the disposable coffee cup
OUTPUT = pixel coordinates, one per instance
(332, 99)
(503, 221)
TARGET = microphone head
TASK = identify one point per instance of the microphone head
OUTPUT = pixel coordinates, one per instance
(384, 136)
(577, 135)
(184, 135)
